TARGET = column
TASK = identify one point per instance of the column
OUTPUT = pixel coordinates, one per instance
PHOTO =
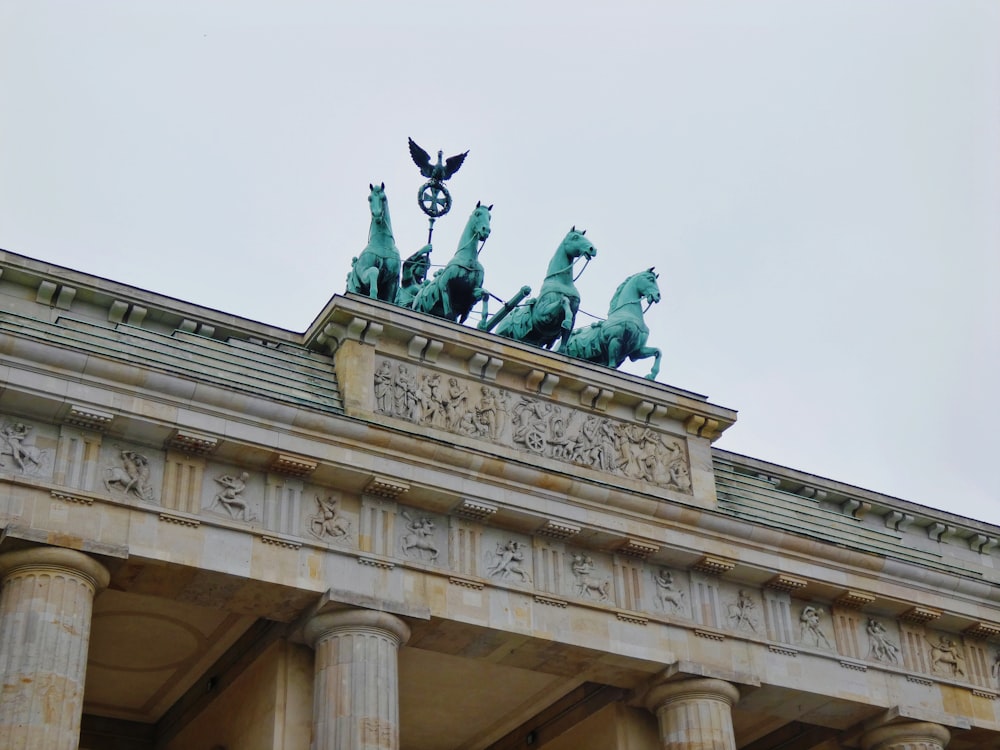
(911, 735)
(356, 700)
(46, 601)
(694, 714)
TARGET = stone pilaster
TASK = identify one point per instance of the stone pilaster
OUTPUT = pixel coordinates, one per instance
(694, 714)
(911, 735)
(46, 601)
(356, 699)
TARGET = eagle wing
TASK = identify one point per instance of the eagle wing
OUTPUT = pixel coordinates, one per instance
(452, 164)
(422, 159)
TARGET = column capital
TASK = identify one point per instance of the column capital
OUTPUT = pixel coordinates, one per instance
(906, 735)
(697, 688)
(353, 619)
(59, 558)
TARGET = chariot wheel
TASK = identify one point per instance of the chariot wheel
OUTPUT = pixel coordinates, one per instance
(535, 441)
(434, 199)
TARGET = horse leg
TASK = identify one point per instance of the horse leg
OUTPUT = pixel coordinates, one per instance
(614, 345)
(566, 327)
(484, 296)
(644, 352)
(370, 276)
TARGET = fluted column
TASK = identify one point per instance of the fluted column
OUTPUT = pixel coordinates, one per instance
(356, 698)
(694, 714)
(911, 735)
(46, 600)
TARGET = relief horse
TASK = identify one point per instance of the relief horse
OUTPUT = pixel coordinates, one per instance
(623, 335)
(457, 287)
(549, 317)
(376, 271)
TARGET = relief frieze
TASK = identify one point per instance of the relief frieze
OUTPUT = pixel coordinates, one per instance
(531, 425)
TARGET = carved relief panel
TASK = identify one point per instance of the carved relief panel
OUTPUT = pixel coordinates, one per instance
(947, 656)
(507, 558)
(333, 518)
(813, 626)
(533, 425)
(26, 448)
(670, 591)
(131, 472)
(591, 577)
(232, 493)
(743, 612)
(422, 536)
(882, 638)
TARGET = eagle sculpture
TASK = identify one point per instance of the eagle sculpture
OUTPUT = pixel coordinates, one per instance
(440, 171)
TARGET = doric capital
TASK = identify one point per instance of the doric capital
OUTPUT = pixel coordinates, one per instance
(54, 558)
(692, 689)
(347, 620)
(909, 735)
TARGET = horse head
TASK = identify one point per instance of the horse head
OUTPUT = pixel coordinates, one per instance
(479, 222)
(376, 200)
(576, 245)
(646, 286)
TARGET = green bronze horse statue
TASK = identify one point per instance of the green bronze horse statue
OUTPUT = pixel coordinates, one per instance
(549, 317)
(457, 287)
(376, 271)
(623, 335)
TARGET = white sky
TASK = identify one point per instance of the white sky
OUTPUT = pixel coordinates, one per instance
(818, 184)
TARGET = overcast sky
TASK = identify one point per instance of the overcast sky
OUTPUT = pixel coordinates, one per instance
(818, 184)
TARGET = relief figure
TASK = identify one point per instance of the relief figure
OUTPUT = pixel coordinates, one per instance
(17, 442)
(327, 523)
(384, 388)
(420, 537)
(946, 656)
(743, 612)
(810, 631)
(665, 591)
(508, 562)
(586, 585)
(230, 496)
(456, 404)
(132, 476)
(880, 648)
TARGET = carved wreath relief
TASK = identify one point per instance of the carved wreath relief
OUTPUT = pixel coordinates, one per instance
(532, 425)
(18, 449)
